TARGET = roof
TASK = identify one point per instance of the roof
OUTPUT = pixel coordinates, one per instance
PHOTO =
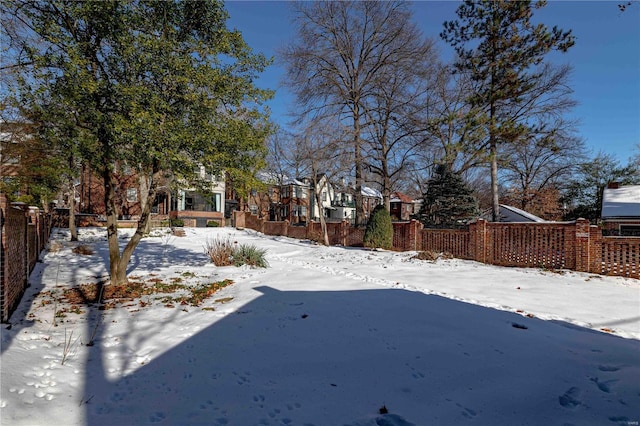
(623, 201)
(512, 214)
(399, 197)
(370, 192)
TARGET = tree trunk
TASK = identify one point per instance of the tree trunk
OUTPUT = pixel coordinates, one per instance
(360, 218)
(72, 204)
(143, 189)
(72, 212)
(495, 202)
(323, 222)
(111, 212)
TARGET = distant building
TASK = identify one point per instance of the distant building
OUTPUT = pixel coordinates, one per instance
(621, 210)
(510, 214)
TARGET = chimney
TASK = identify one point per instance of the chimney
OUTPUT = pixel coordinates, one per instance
(613, 185)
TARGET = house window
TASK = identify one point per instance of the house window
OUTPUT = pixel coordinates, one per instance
(630, 230)
(324, 196)
(132, 195)
(253, 209)
(286, 192)
(216, 201)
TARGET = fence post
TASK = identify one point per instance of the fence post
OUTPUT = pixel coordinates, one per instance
(239, 219)
(479, 241)
(595, 249)
(582, 245)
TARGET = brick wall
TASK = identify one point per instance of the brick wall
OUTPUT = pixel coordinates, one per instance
(24, 234)
(555, 245)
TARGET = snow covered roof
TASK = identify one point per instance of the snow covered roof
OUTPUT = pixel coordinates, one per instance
(514, 214)
(370, 192)
(623, 201)
(399, 197)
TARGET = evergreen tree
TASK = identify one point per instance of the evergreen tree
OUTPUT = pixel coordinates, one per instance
(160, 86)
(379, 231)
(448, 201)
(502, 49)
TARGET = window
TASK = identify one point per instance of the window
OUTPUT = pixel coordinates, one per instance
(253, 209)
(286, 192)
(630, 230)
(132, 195)
(216, 201)
(324, 196)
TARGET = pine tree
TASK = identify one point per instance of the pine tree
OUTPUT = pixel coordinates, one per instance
(448, 201)
(502, 49)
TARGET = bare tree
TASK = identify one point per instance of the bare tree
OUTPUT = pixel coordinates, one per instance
(318, 145)
(394, 136)
(548, 151)
(335, 64)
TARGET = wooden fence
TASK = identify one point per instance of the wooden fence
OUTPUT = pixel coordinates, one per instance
(575, 245)
(23, 233)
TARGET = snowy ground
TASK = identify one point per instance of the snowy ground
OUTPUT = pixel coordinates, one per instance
(324, 336)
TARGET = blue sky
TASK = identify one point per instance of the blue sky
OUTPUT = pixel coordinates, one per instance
(605, 60)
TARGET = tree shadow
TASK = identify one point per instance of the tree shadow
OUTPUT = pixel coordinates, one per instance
(337, 357)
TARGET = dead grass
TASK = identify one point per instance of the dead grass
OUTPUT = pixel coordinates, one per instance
(84, 250)
(432, 256)
(113, 295)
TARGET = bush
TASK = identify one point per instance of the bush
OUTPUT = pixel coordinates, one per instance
(220, 251)
(250, 255)
(177, 222)
(379, 232)
(212, 224)
(223, 252)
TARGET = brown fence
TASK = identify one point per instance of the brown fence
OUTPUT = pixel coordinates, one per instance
(573, 245)
(24, 234)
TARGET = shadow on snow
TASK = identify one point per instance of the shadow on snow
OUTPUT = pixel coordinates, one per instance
(323, 357)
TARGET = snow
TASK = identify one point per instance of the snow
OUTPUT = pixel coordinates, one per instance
(621, 202)
(324, 336)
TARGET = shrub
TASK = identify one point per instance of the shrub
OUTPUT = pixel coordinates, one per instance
(379, 232)
(223, 252)
(177, 222)
(220, 251)
(250, 255)
(212, 224)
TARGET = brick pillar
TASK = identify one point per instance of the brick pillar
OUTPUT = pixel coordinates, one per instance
(414, 242)
(595, 249)
(582, 245)
(479, 241)
(344, 229)
(239, 219)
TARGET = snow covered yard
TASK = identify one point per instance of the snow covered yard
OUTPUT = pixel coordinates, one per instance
(324, 336)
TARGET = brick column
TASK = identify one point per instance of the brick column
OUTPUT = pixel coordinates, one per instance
(414, 235)
(479, 240)
(595, 249)
(239, 219)
(582, 245)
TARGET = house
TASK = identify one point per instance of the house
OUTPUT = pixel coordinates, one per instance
(186, 203)
(402, 206)
(344, 207)
(621, 210)
(327, 193)
(510, 214)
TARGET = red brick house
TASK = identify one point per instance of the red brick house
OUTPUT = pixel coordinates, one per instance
(401, 206)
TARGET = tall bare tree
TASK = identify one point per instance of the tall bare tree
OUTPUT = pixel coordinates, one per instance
(335, 64)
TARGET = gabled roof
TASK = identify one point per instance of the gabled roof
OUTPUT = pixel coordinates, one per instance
(512, 214)
(621, 202)
(370, 192)
(399, 197)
